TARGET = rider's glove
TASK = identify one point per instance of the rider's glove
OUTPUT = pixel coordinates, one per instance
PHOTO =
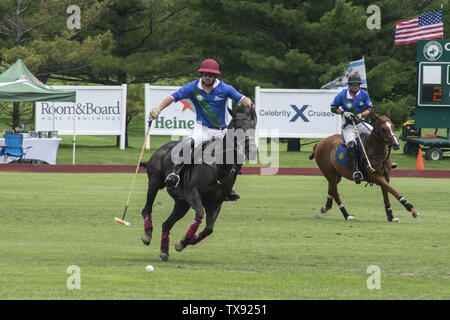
(348, 115)
(155, 113)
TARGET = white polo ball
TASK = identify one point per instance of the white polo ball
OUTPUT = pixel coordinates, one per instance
(149, 268)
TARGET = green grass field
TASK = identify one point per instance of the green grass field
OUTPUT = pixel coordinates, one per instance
(271, 244)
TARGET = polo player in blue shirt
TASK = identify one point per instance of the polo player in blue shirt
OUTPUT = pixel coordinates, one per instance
(209, 96)
(354, 105)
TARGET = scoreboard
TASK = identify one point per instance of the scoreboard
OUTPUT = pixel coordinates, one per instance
(432, 94)
(433, 84)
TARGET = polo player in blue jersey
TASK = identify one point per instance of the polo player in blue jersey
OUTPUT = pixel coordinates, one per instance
(209, 96)
(354, 105)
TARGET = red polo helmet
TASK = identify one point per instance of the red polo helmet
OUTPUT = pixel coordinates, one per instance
(209, 65)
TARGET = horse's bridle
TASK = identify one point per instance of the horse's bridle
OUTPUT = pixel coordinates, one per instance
(236, 146)
(385, 140)
(392, 135)
(234, 127)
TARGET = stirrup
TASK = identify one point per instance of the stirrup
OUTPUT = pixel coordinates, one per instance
(169, 180)
(357, 177)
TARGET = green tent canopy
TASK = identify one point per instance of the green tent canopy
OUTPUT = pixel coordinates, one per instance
(18, 84)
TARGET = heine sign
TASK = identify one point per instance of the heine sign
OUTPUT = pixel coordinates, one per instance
(296, 113)
(99, 110)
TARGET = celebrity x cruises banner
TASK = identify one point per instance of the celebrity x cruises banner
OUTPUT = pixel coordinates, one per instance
(296, 113)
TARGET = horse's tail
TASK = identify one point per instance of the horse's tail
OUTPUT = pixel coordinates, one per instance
(312, 154)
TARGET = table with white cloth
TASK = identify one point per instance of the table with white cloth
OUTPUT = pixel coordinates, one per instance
(42, 149)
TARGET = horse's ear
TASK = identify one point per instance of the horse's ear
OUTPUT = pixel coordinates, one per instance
(373, 113)
(231, 112)
(388, 112)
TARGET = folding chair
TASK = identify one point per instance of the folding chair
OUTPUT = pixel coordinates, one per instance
(13, 148)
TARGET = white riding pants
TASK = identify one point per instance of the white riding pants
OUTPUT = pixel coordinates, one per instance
(349, 132)
(202, 134)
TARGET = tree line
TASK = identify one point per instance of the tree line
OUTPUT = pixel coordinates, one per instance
(272, 44)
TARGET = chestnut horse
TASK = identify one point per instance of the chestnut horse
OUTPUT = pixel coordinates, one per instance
(377, 146)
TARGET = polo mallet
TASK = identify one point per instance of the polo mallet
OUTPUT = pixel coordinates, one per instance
(362, 146)
(123, 221)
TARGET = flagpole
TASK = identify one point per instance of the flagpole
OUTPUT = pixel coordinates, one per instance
(74, 139)
(365, 75)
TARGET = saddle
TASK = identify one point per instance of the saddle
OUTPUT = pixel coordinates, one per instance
(185, 169)
(341, 153)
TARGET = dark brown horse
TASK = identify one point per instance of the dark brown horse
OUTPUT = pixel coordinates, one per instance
(203, 186)
(377, 146)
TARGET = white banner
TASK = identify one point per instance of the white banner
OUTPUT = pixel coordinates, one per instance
(178, 119)
(98, 110)
(296, 113)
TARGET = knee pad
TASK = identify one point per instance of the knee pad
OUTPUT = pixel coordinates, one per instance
(351, 146)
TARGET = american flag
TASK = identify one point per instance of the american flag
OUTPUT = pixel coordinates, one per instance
(426, 26)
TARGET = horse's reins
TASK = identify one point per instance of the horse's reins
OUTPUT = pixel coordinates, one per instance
(376, 136)
(389, 144)
(362, 146)
(235, 147)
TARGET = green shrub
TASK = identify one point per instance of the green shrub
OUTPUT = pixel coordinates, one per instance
(401, 109)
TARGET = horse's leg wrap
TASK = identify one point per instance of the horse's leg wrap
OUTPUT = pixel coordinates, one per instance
(329, 202)
(165, 241)
(190, 234)
(148, 230)
(406, 204)
(197, 238)
(389, 214)
(148, 223)
(343, 210)
(328, 205)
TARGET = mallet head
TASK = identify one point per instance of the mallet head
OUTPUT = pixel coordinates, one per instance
(125, 223)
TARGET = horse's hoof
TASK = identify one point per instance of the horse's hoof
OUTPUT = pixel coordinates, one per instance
(146, 239)
(415, 214)
(179, 246)
(164, 255)
(323, 210)
(352, 218)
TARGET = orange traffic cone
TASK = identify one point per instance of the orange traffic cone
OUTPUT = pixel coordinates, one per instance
(419, 163)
